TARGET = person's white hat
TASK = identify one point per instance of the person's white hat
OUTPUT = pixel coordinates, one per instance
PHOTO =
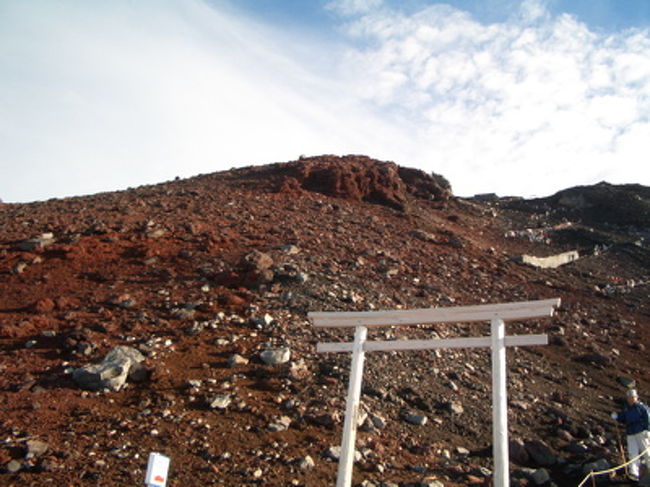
(631, 393)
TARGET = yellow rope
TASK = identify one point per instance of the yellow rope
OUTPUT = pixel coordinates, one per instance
(610, 470)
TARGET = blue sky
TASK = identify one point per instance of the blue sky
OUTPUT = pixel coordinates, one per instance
(521, 97)
(607, 15)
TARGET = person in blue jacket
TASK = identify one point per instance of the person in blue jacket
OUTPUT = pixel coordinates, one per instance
(635, 418)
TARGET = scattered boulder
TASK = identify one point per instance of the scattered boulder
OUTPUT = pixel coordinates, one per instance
(257, 269)
(306, 463)
(276, 356)
(257, 261)
(424, 236)
(596, 466)
(416, 419)
(281, 424)
(45, 305)
(518, 452)
(594, 359)
(237, 360)
(113, 372)
(540, 453)
(626, 382)
(454, 407)
(36, 448)
(220, 401)
(334, 453)
(37, 243)
(13, 466)
(540, 476)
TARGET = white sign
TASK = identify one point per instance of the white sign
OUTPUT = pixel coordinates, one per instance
(157, 470)
(496, 314)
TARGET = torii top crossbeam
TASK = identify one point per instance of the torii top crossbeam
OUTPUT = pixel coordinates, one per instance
(460, 314)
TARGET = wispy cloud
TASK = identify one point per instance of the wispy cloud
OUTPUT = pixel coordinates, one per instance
(100, 96)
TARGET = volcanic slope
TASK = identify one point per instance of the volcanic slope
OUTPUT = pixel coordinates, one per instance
(205, 274)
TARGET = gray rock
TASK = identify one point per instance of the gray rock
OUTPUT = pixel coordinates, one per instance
(540, 453)
(236, 360)
(576, 447)
(462, 451)
(452, 385)
(281, 424)
(454, 407)
(36, 448)
(424, 236)
(184, 313)
(540, 476)
(290, 249)
(416, 419)
(594, 359)
(518, 453)
(276, 356)
(265, 320)
(13, 466)
(113, 372)
(306, 463)
(626, 382)
(40, 242)
(596, 466)
(220, 401)
(378, 421)
(334, 453)
(156, 233)
(124, 354)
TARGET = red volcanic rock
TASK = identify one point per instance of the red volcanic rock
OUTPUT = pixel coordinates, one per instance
(231, 299)
(45, 305)
(361, 178)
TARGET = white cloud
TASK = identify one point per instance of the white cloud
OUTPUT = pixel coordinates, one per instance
(527, 106)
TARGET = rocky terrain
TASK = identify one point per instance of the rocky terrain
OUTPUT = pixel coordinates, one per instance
(173, 319)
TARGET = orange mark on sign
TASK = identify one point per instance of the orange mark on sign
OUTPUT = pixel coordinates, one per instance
(158, 478)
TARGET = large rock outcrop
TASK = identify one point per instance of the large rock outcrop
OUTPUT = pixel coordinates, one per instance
(361, 178)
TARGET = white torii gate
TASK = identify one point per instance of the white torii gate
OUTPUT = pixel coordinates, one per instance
(496, 314)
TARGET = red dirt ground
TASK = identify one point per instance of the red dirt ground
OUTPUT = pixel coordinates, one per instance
(162, 268)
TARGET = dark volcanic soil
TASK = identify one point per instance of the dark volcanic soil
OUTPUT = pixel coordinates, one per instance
(194, 271)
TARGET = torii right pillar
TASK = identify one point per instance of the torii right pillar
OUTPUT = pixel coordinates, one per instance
(499, 405)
